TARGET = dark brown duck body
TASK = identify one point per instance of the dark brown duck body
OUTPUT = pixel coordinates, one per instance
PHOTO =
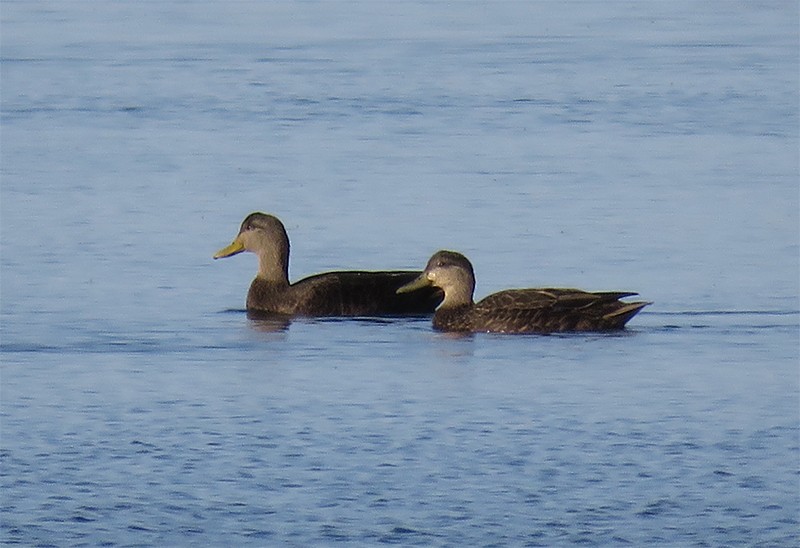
(545, 310)
(342, 293)
(539, 311)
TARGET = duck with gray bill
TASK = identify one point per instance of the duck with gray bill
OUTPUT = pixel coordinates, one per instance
(341, 293)
(541, 310)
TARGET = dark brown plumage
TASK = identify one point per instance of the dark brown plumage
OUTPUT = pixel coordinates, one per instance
(343, 293)
(544, 310)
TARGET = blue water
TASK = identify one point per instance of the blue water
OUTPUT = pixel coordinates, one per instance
(609, 146)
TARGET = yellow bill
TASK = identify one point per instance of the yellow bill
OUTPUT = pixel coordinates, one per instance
(417, 283)
(236, 247)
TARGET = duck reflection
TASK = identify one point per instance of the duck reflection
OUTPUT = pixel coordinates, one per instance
(266, 322)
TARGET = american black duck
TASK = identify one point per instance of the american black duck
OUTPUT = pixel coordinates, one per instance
(344, 293)
(544, 310)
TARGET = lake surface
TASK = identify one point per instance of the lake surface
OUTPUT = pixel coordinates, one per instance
(604, 145)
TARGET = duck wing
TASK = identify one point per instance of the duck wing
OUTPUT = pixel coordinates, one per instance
(361, 293)
(549, 310)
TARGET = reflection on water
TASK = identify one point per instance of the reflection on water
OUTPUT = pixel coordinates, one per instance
(268, 323)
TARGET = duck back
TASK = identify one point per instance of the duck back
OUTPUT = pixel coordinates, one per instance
(345, 293)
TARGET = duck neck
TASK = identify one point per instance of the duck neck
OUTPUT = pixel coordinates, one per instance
(273, 267)
(457, 297)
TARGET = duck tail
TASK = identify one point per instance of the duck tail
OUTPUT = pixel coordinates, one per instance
(624, 313)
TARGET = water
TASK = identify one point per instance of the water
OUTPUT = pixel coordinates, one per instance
(625, 146)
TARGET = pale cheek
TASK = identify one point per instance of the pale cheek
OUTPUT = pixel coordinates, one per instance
(244, 237)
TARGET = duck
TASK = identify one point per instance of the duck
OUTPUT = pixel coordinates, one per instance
(535, 310)
(341, 293)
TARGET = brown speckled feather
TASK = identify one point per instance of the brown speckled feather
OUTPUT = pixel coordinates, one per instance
(542, 311)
